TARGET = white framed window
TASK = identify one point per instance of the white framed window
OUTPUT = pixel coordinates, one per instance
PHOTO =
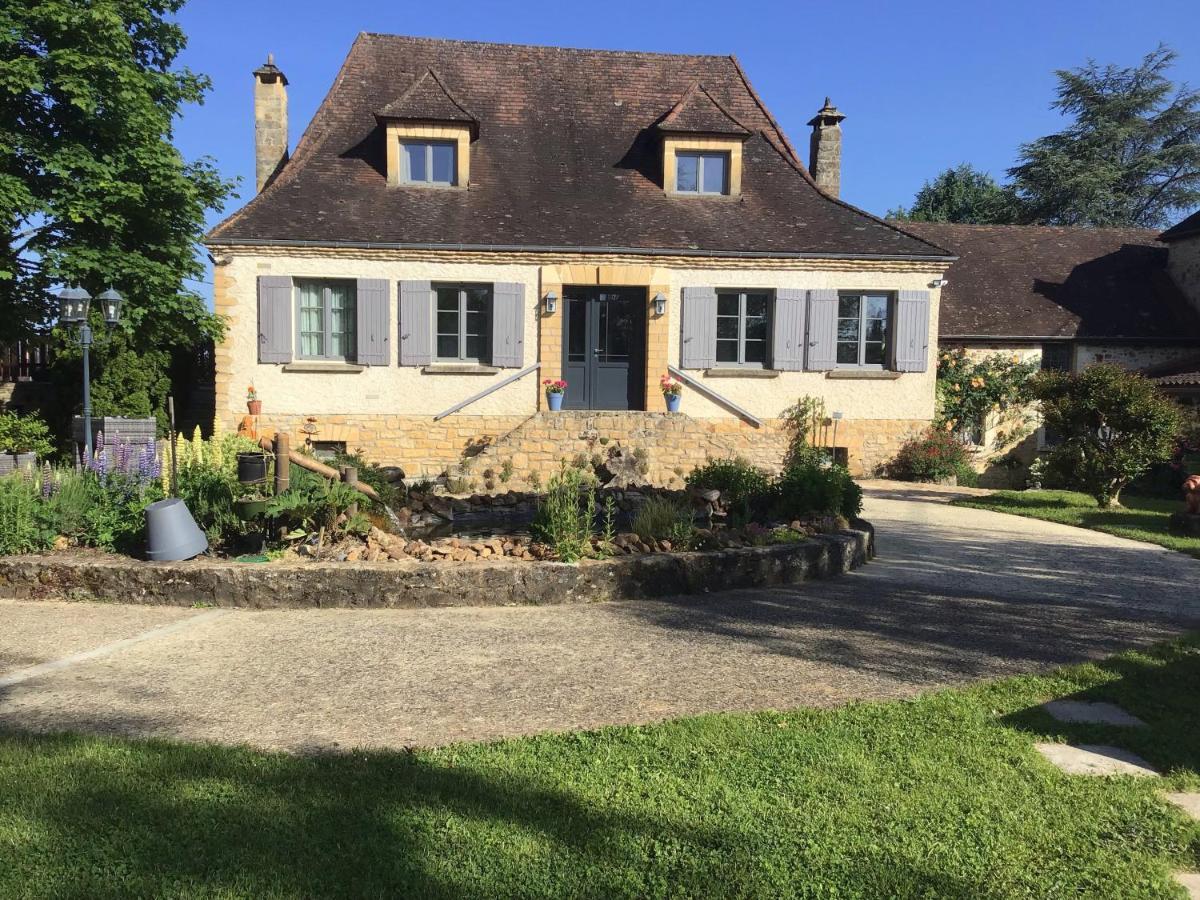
(743, 328)
(463, 327)
(433, 163)
(701, 172)
(862, 330)
(326, 319)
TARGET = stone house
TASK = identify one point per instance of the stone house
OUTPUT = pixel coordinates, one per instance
(1068, 298)
(461, 221)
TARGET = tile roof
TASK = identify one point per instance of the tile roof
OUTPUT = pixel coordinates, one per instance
(697, 112)
(1189, 226)
(1030, 281)
(426, 99)
(1183, 372)
(567, 156)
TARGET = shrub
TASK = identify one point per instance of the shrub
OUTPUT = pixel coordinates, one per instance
(665, 519)
(24, 434)
(803, 421)
(22, 527)
(969, 390)
(740, 483)
(566, 514)
(813, 486)
(313, 503)
(372, 475)
(1112, 426)
(935, 456)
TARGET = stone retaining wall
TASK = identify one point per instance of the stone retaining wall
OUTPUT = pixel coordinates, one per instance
(505, 582)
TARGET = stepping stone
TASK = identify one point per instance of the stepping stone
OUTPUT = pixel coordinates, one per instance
(1091, 713)
(1188, 801)
(1190, 882)
(1094, 759)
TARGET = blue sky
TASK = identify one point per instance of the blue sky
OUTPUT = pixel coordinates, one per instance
(924, 85)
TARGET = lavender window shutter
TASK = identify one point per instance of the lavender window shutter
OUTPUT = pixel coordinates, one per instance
(911, 343)
(822, 330)
(274, 319)
(416, 323)
(374, 322)
(698, 344)
(508, 325)
(787, 330)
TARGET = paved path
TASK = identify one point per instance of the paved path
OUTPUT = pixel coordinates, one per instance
(955, 595)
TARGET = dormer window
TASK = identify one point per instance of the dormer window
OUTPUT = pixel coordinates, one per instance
(698, 172)
(431, 163)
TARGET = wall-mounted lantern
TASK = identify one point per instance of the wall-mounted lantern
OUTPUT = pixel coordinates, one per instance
(551, 303)
(660, 304)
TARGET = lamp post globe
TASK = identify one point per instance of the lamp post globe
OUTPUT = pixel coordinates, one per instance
(73, 305)
(110, 306)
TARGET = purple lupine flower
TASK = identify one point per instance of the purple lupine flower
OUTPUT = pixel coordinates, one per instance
(146, 462)
(123, 452)
(47, 481)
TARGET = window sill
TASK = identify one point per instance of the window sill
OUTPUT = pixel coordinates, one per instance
(324, 368)
(458, 369)
(864, 374)
(740, 372)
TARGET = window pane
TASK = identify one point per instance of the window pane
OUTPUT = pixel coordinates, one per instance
(447, 300)
(873, 353)
(312, 319)
(476, 346)
(478, 299)
(756, 351)
(447, 346)
(687, 172)
(848, 307)
(847, 330)
(727, 304)
(447, 322)
(756, 329)
(727, 327)
(714, 173)
(875, 330)
(877, 307)
(576, 330)
(847, 353)
(756, 304)
(727, 351)
(443, 163)
(414, 155)
(342, 320)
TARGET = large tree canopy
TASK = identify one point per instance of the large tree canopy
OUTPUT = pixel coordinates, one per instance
(1131, 156)
(961, 194)
(92, 190)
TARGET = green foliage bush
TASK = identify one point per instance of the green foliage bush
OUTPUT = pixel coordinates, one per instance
(739, 482)
(934, 456)
(566, 514)
(1112, 425)
(969, 390)
(665, 519)
(315, 504)
(813, 486)
(390, 493)
(24, 434)
(23, 528)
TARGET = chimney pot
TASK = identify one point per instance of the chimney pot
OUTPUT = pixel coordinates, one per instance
(825, 149)
(270, 121)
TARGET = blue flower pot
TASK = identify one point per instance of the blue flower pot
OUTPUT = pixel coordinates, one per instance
(673, 402)
(555, 401)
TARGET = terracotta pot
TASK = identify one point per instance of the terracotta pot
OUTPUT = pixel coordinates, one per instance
(255, 407)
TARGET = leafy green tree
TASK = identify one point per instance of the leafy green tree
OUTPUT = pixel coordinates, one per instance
(1113, 425)
(961, 194)
(1131, 157)
(92, 190)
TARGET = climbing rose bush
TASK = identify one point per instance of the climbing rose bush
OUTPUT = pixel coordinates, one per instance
(969, 389)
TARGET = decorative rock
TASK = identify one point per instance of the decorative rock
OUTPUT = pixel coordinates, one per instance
(61, 542)
(1188, 801)
(1091, 713)
(1095, 759)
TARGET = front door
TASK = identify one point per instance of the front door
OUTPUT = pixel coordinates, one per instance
(603, 347)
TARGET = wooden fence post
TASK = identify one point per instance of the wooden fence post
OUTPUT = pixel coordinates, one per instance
(282, 462)
(350, 476)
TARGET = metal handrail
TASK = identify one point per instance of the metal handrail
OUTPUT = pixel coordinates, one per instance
(714, 396)
(488, 390)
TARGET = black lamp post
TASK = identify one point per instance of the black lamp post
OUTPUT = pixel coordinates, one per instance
(73, 306)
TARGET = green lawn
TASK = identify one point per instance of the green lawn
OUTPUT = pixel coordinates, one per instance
(1139, 518)
(941, 796)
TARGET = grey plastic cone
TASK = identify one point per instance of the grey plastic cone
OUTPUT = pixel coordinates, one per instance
(171, 532)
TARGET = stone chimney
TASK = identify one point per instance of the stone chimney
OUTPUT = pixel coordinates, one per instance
(825, 149)
(270, 121)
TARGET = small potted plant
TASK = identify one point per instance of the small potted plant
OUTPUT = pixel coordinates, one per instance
(555, 388)
(672, 392)
(253, 404)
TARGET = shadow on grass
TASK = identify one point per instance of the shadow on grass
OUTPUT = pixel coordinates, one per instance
(97, 818)
(1162, 692)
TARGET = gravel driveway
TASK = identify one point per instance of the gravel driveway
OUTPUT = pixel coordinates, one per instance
(955, 595)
